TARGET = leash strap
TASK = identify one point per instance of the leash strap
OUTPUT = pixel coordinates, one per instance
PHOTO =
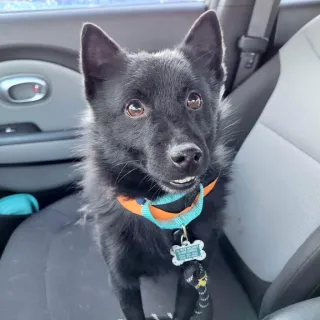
(197, 277)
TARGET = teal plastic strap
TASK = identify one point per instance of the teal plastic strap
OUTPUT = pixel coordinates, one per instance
(18, 204)
(179, 221)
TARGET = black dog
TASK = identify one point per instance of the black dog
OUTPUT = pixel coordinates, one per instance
(153, 129)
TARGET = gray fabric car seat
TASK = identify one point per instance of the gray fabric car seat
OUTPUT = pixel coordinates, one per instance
(306, 310)
(51, 269)
(273, 213)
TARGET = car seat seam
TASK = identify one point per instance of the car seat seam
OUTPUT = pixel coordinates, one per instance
(288, 141)
(311, 45)
(315, 288)
(299, 269)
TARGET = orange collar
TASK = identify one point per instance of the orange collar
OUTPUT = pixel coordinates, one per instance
(133, 206)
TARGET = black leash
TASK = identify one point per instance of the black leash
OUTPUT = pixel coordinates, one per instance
(196, 276)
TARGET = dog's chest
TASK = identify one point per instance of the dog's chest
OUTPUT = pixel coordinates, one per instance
(147, 248)
(143, 247)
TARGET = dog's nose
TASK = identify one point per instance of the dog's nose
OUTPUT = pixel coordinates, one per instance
(185, 156)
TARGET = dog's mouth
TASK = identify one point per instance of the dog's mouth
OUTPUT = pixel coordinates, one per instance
(181, 185)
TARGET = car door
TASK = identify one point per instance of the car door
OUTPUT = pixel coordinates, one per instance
(40, 85)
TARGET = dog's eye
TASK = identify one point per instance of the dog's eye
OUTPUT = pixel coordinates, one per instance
(135, 109)
(194, 101)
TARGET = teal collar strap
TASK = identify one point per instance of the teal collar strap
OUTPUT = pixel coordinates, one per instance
(182, 219)
(164, 219)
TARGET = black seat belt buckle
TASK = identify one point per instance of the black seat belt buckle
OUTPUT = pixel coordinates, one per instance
(250, 44)
(251, 49)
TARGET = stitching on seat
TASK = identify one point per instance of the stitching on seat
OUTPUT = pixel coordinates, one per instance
(311, 45)
(311, 293)
(289, 141)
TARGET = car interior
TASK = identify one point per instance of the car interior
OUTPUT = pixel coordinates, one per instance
(267, 262)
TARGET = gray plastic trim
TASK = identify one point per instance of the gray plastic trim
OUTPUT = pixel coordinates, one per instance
(60, 56)
(38, 152)
(38, 177)
(11, 139)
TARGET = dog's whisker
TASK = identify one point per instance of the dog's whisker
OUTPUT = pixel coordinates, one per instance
(154, 185)
(149, 178)
(146, 177)
(156, 193)
(127, 174)
(120, 173)
(125, 162)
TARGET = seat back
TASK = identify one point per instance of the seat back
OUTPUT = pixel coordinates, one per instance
(273, 212)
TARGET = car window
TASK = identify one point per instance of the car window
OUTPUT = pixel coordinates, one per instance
(33, 5)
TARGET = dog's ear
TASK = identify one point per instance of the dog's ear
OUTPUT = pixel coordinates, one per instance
(100, 56)
(204, 44)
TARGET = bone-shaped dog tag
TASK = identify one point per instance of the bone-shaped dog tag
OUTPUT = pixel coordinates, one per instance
(188, 252)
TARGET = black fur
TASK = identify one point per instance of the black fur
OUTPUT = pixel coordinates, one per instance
(129, 156)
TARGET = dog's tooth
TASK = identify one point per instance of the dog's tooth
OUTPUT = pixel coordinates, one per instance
(187, 179)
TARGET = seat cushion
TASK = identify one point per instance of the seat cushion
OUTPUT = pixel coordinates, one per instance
(51, 269)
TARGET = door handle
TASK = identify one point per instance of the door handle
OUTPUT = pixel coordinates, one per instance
(23, 89)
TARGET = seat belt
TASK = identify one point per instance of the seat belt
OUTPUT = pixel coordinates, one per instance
(253, 45)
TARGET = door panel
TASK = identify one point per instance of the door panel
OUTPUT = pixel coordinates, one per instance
(61, 108)
(46, 44)
(136, 27)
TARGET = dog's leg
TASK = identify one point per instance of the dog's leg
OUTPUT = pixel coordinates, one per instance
(186, 300)
(129, 299)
